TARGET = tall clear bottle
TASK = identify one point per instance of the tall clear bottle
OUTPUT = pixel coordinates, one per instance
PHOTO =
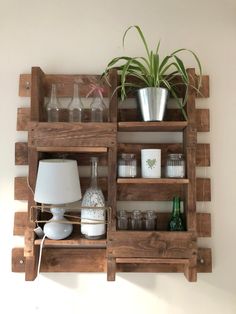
(91, 227)
(176, 222)
(53, 106)
(98, 107)
(76, 108)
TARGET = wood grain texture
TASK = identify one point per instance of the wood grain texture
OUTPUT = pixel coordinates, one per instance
(73, 260)
(127, 115)
(71, 134)
(203, 228)
(37, 95)
(152, 244)
(21, 152)
(65, 83)
(132, 192)
(160, 126)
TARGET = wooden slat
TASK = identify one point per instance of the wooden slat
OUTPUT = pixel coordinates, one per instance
(20, 222)
(73, 260)
(71, 134)
(132, 192)
(37, 112)
(138, 260)
(23, 117)
(151, 181)
(162, 126)
(152, 244)
(65, 83)
(203, 223)
(202, 158)
(202, 118)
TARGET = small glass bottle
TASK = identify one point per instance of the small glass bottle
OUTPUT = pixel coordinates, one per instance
(122, 220)
(150, 220)
(76, 108)
(127, 166)
(136, 220)
(53, 106)
(91, 227)
(176, 223)
(175, 166)
(98, 107)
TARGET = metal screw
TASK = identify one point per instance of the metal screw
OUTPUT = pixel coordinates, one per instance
(27, 85)
(201, 261)
(21, 261)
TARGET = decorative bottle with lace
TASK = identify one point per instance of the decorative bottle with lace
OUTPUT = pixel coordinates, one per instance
(53, 106)
(91, 217)
(76, 108)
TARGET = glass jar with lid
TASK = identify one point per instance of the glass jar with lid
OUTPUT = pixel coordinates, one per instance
(127, 166)
(175, 166)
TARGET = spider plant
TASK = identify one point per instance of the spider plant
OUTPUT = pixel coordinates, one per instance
(154, 71)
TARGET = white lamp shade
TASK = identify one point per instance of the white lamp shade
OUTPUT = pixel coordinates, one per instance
(57, 182)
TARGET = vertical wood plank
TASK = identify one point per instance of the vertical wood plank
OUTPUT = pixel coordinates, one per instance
(112, 96)
(111, 269)
(190, 143)
(37, 94)
(30, 251)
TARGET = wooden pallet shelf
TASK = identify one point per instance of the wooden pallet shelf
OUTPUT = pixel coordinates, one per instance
(121, 251)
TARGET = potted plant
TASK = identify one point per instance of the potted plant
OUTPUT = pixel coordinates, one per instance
(154, 78)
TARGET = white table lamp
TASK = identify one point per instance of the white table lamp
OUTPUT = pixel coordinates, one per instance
(57, 183)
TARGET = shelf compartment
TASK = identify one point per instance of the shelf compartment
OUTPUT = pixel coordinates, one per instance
(152, 181)
(160, 126)
(58, 134)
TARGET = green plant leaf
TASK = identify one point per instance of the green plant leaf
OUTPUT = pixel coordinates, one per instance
(140, 34)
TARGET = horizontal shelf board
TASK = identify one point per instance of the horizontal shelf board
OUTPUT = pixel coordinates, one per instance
(74, 240)
(131, 192)
(65, 84)
(161, 126)
(94, 260)
(151, 181)
(138, 260)
(126, 115)
(57, 134)
(203, 223)
(80, 149)
(202, 152)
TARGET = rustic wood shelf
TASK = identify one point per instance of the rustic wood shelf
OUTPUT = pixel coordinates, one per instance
(75, 240)
(151, 181)
(121, 251)
(160, 126)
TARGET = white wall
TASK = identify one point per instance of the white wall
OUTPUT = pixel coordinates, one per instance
(80, 37)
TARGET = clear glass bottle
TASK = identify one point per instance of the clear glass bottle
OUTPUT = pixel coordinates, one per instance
(176, 222)
(98, 107)
(122, 220)
(175, 166)
(53, 106)
(150, 220)
(127, 166)
(76, 108)
(91, 227)
(136, 220)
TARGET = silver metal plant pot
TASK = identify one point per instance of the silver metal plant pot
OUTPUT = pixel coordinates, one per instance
(152, 102)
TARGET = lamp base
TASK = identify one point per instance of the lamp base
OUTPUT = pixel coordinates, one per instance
(55, 229)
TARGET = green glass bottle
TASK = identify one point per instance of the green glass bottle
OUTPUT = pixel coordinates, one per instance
(176, 222)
